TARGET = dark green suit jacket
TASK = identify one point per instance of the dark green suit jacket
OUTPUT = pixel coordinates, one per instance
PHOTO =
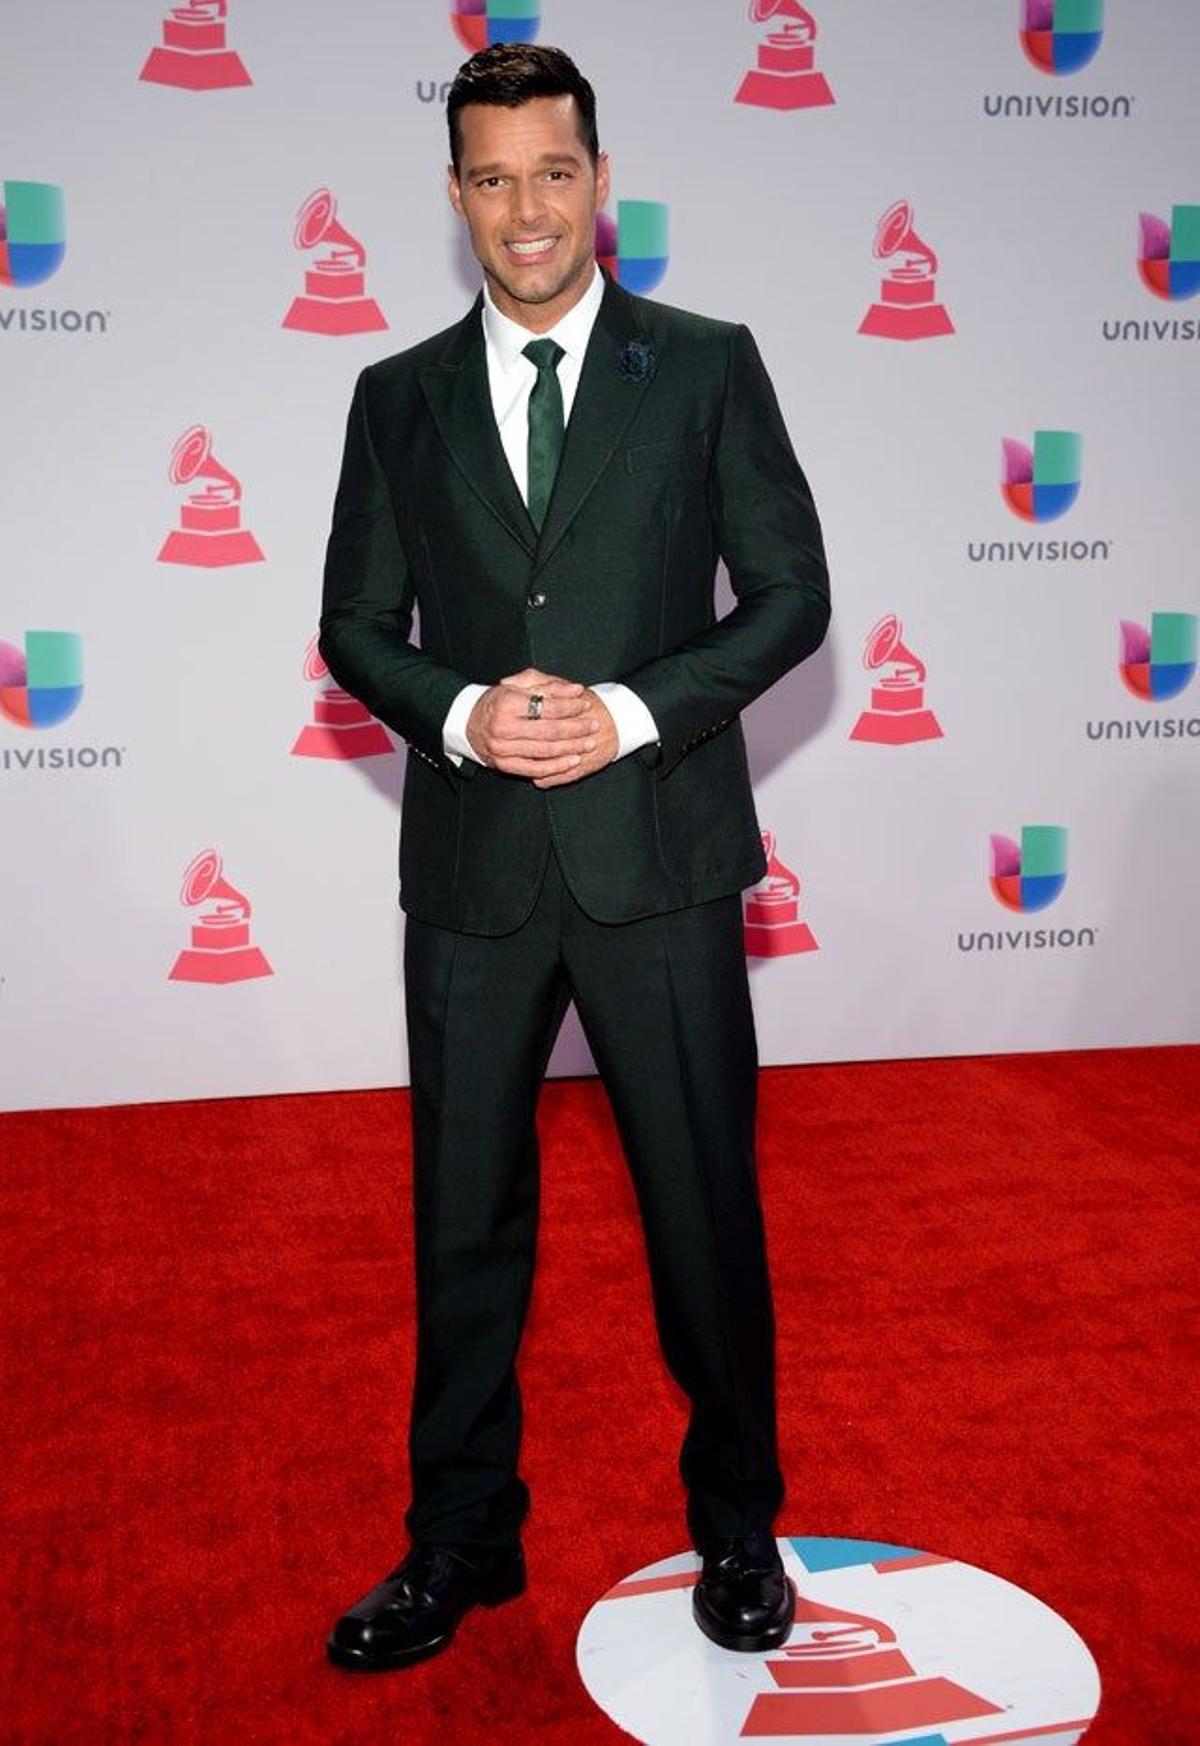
(660, 476)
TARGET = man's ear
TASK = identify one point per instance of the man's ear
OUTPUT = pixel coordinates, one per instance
(454, 191)
(603, 180)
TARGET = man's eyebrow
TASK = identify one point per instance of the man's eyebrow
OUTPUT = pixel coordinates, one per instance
(546, 158)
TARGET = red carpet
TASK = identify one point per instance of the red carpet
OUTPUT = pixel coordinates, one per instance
(986, 1278)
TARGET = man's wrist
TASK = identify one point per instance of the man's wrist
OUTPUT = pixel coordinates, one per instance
(633, 721)
(455, 743)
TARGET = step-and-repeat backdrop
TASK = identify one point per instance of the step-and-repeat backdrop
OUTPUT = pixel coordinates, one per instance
(967, 240)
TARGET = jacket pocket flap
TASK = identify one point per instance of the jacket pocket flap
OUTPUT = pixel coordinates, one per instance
(669, 452)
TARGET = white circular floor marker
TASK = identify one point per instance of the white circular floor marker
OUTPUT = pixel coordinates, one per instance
(891, 1647)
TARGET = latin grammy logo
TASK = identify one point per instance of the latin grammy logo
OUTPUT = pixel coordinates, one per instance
(220, 950)
(772, 911)
(193, 54)
(210, 532)
(844, 1675)
(908, 308)
(897, 716)
(786, 76)
(341, 726)
(334, 300)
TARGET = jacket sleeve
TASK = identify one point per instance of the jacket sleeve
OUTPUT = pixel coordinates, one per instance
(367, 609)
(770, 538)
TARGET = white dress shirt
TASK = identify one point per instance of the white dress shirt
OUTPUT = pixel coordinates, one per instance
(511, 377)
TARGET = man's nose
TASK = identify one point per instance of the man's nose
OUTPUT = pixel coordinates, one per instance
(528, 204)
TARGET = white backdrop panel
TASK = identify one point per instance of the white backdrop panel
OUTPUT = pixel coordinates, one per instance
(180, 207)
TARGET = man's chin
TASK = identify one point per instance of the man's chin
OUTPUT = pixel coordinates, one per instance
(529, 291)
(532, 288)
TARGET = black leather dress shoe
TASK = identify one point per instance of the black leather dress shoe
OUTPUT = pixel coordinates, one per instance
(414, 1611)
(743, 1600)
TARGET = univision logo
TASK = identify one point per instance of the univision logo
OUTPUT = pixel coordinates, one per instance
(1159, 663)
(33, 232)
(1168, 264)
(479, 24)
(41, 686)
(1039, 482)
(1031, 874)
(1042, 482)
(1156, 663)
(634, 247)
(1169, 254)
(1028, 876)
(33, 246)
(1060, 37)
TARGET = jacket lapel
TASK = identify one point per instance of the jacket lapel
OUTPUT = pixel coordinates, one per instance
(456, 390)
(604, 406)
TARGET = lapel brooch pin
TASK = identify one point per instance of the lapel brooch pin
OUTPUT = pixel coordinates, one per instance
(637, 360)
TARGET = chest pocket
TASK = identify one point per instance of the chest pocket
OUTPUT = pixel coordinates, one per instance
(685, 451)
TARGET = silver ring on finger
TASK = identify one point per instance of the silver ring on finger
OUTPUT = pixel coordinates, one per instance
(536, 699)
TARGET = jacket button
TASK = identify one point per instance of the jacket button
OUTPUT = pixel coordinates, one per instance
(537, 600)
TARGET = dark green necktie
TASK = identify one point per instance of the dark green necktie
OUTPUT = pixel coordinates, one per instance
(545, 425)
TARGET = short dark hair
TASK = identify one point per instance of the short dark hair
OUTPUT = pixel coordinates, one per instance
(509, 74)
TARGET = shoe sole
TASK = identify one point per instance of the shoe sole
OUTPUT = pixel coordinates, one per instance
(356, 1661)
(747, 1643)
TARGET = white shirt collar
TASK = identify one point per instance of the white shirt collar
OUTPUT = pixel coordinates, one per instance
(508, 338)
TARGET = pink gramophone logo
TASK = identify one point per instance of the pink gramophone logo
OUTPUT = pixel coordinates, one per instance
(220, 950)
(786, 76)
(897, 716)
(908, 308)
(334, 300)
(341, 726)
(772, 911)
(845, 1674)
(210, 532)
(193, 55)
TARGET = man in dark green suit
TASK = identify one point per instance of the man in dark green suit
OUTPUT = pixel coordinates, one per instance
(552, 482)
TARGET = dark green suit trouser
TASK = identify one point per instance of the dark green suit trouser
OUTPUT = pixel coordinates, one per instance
(664, 1002)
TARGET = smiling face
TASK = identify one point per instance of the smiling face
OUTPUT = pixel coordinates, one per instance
(529, 194)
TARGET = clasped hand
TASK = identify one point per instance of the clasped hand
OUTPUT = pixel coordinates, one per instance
(574, 735)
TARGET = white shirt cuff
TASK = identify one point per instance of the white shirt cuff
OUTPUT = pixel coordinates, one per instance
(634, 723)
(455, 743)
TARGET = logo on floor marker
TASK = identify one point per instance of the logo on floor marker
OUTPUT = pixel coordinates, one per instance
(890, 1644)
